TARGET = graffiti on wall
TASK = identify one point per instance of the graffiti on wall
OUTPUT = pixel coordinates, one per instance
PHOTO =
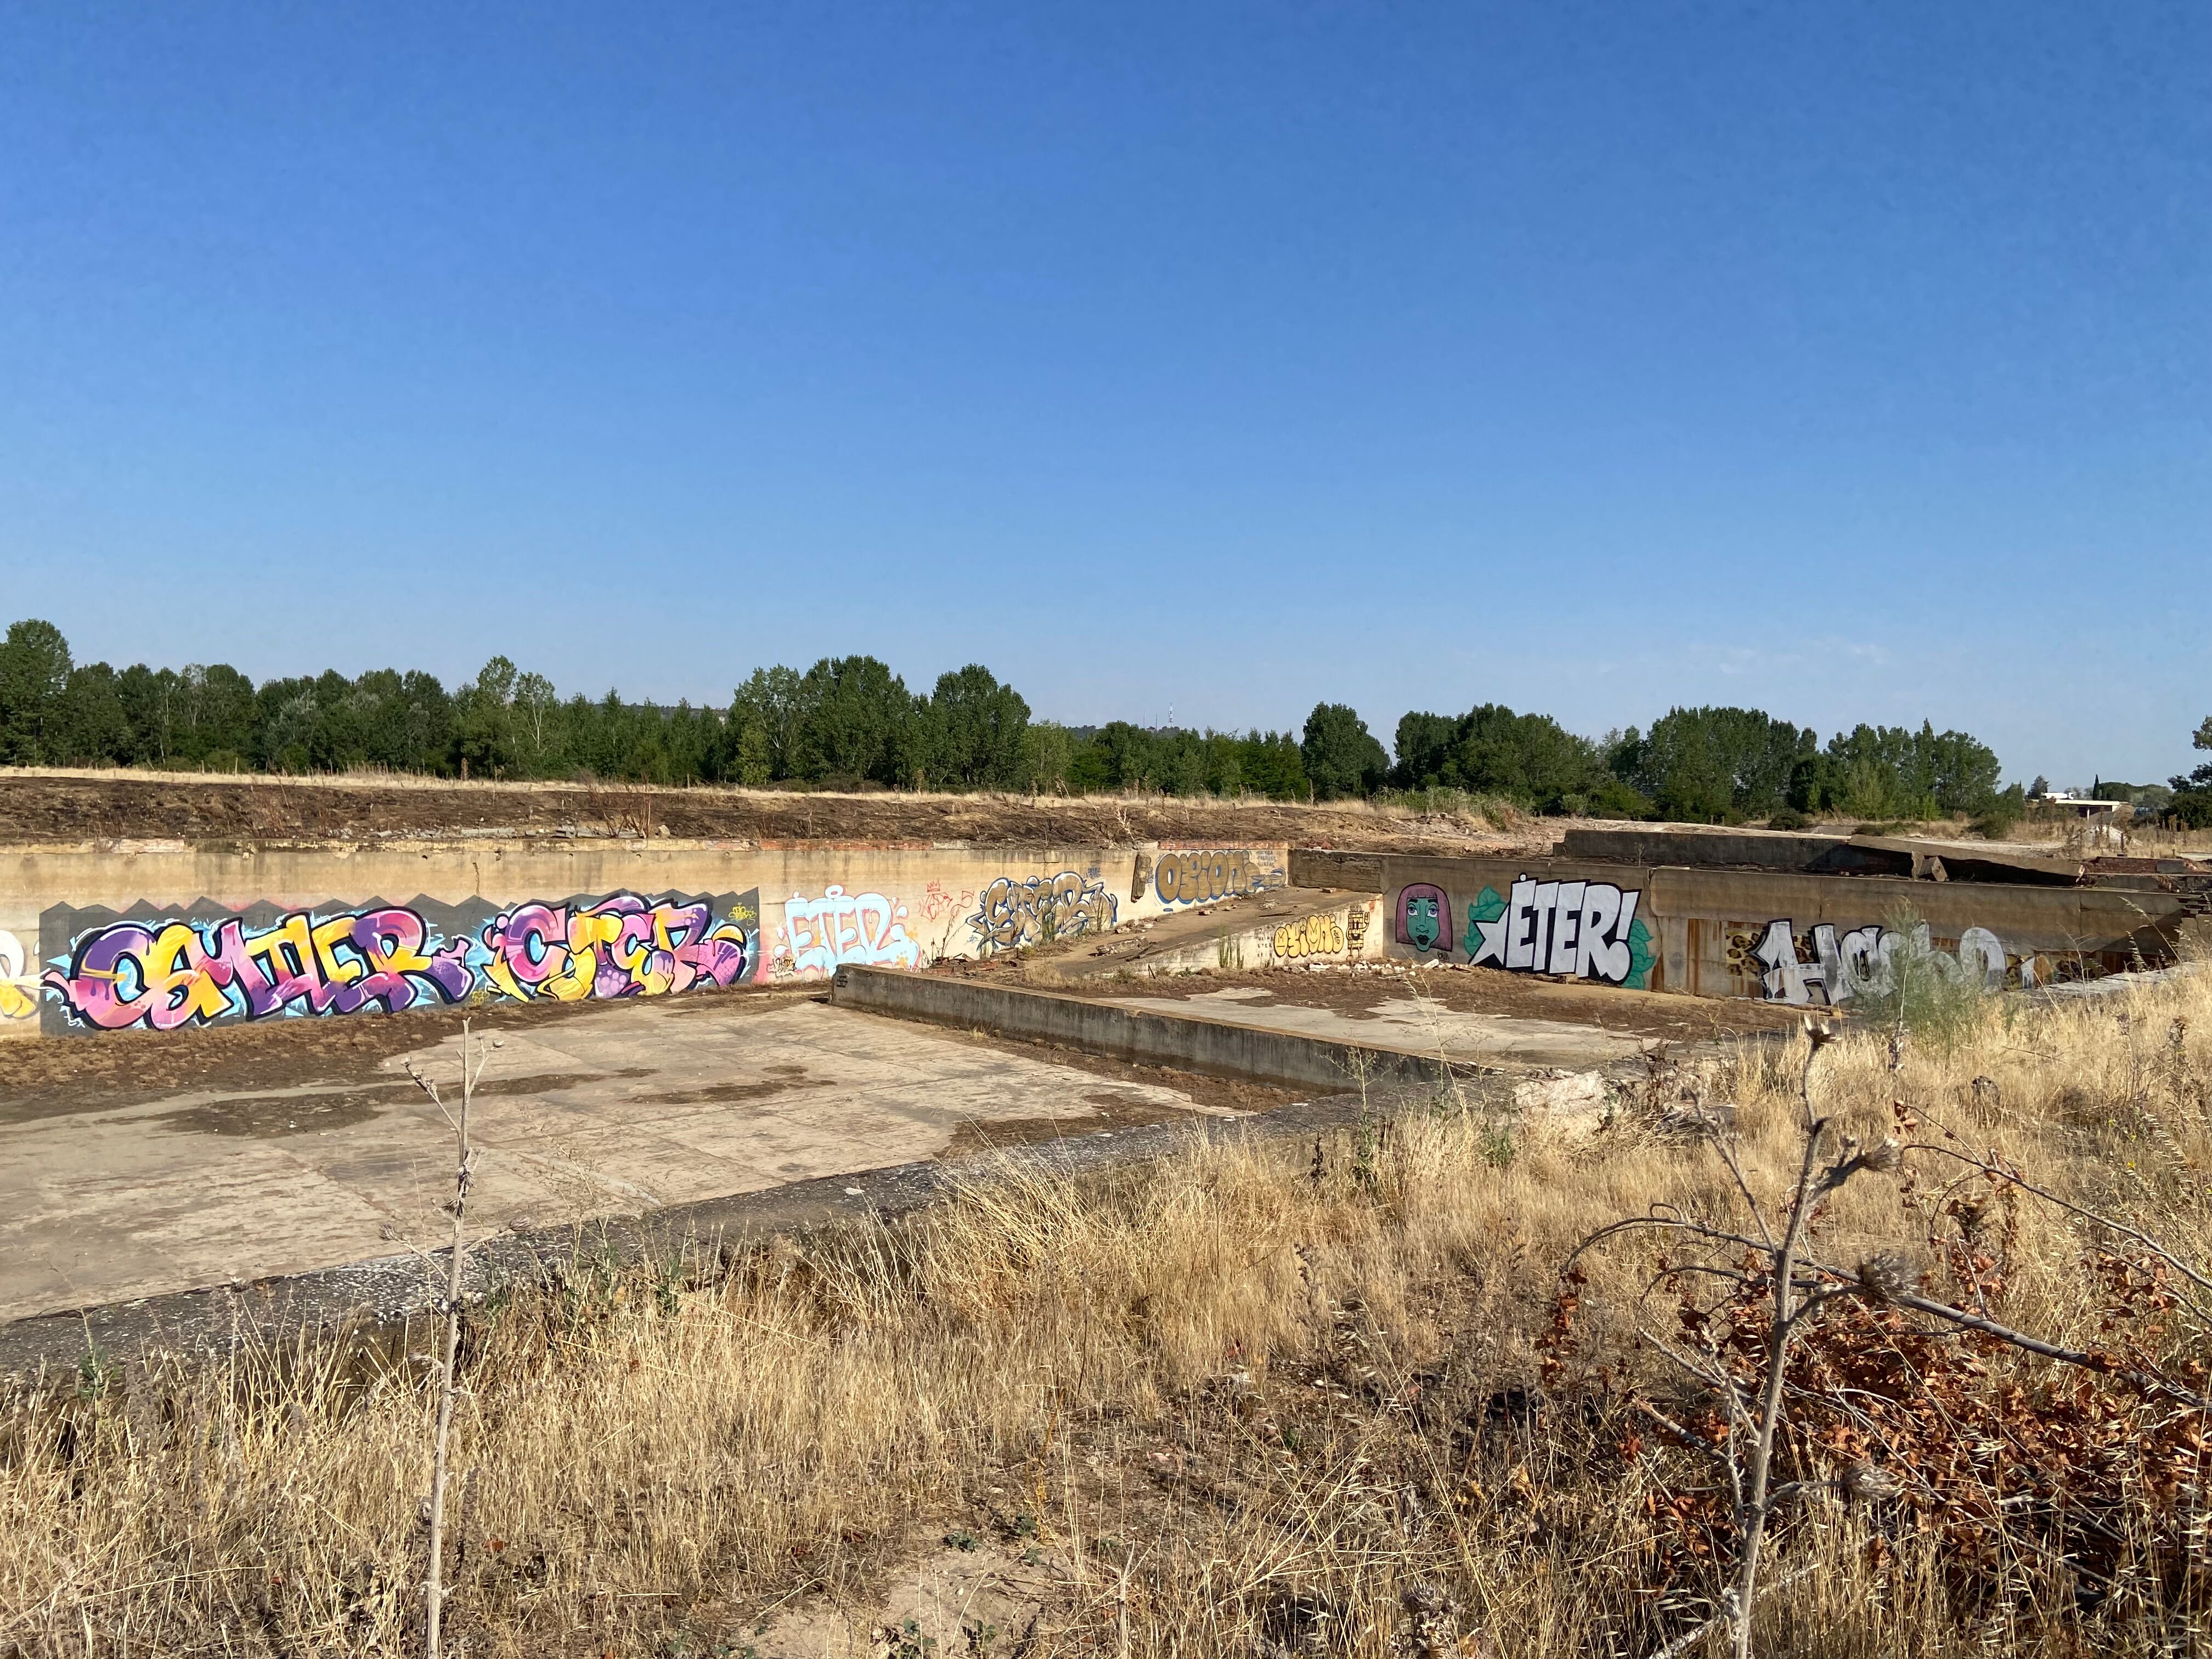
(1038, 910)
(1199, 878)
(820, 934)
(19, 986)
(620, 947)
(1577, 929)
(1313, 936)
(1424, 917)
(164, 970)
(1355, 929)
(1825, 967)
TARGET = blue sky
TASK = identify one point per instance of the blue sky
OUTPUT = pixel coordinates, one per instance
(1849, 362)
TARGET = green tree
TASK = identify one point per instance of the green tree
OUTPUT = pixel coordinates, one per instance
(771, 702)
(1714, 765)
(1425, 750)
(2192, 790)
(1272, 764)
(1047, 751)
(537, 713)
(220, 711)
(1491, 750)
(34, 670)
(975, 732)
(90, 727)
(483, 721)
(150, 708)
(1117, 755)
(1341, 755)
(858, 721)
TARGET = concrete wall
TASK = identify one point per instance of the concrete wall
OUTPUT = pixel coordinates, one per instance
(1712, 932)
(164, 935)
(1187, 1042)
(1327, 933)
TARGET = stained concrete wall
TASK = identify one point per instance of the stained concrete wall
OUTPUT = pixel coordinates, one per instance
(1715, 931)
(308, 938)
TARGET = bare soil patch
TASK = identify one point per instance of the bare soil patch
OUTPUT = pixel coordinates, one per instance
(98, 1073)
(1476, 991)
(43, 808)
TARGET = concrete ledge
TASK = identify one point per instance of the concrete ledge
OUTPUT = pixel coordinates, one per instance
(1190, 1042)
(377, 1305)
(1230, 937)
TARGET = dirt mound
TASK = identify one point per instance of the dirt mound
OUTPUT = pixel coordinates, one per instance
(49, 808)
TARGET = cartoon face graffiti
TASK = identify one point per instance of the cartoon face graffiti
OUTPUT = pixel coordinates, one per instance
(1423, 917)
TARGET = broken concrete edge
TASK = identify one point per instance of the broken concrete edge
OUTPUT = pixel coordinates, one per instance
(1190, 1042)
(375, 1303)
(2113, 984)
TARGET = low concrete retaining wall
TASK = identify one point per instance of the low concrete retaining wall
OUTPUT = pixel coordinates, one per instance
(1186, 1042)
(165, 935)
(1698, 847)
(1717, 932)
(1325, 928)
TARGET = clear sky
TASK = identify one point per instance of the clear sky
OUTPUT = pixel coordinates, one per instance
(1852, 361)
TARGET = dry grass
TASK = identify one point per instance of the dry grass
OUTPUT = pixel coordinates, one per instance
(1257, 1399)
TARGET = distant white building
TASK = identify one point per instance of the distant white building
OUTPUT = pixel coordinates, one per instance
(2090, 811)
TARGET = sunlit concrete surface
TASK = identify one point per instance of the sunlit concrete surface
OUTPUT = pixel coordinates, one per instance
(1412, 1025)
(657, 1102)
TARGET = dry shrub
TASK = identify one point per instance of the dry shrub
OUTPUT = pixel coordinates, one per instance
(1252, 1398)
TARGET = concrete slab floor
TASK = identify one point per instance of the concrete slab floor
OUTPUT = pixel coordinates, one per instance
(1394, 1021)
(650, 1104)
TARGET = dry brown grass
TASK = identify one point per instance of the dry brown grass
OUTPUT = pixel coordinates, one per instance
(1255, 1399)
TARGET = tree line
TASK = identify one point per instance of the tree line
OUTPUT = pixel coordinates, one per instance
(849, 722)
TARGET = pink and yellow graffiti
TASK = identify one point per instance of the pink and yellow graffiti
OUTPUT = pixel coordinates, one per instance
(19, 991)
(619, 947)
(166, 975)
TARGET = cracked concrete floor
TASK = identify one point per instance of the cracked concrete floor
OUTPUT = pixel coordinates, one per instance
(654, 1103)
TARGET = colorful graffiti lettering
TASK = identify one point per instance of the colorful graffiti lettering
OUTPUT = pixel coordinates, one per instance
(1355, 929)
(1858, 963)
(173, 969)
(19, 989)
(838, 928)
(1578, 929)
(1423, 917)
(1039, 909)
(164, 975)
(1314, 936)
(1197, 878)
(622, 946)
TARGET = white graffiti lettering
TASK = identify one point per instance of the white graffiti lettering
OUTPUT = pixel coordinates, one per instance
(1581, 929)
(820, 934)
(1858, 963)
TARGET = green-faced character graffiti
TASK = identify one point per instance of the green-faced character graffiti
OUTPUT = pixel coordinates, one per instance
(1423, 917)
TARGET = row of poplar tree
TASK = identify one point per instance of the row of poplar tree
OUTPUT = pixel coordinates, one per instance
(850, 721)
